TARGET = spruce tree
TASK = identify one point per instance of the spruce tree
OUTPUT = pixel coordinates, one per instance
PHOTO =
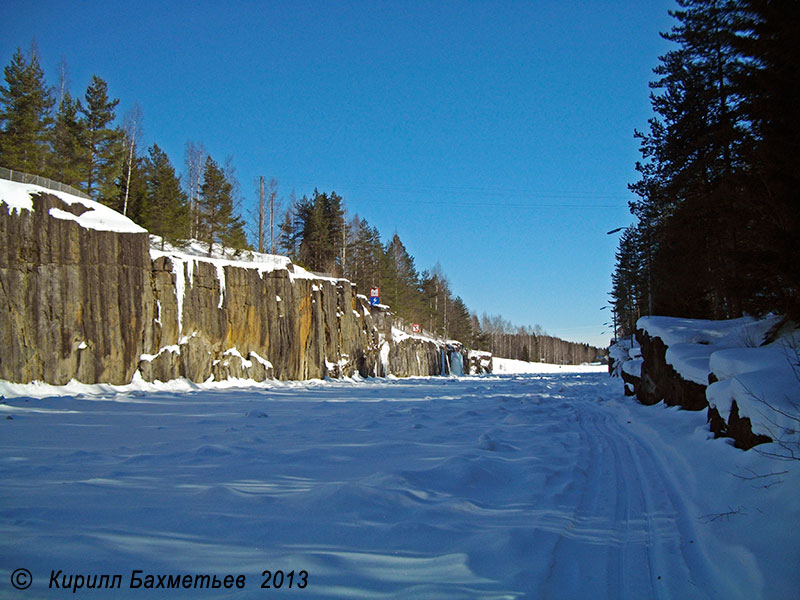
(320, 221)
(25, 115)
(166, 212)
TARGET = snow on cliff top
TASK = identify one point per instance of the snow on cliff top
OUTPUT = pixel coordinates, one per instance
(691, 342)
(17, 197)
(195, 250)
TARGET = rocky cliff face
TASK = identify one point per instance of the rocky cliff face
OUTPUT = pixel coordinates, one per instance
(211, 318)
(74, 301)
(97, 306)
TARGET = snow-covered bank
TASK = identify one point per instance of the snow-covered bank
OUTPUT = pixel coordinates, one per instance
(498, 487)
(86, 213)
(746, 371)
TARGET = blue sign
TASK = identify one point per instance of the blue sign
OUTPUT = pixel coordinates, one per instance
(374, 300)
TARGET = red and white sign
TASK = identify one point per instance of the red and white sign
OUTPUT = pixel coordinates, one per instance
(374, 292)
(415, 328)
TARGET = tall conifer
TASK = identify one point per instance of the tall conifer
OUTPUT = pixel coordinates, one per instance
(166, 212)
(103, 142)
(25, 115)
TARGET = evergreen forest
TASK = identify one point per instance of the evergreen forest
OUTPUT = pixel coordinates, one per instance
(717, 210)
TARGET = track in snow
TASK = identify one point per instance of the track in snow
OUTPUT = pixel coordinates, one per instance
(492, 488)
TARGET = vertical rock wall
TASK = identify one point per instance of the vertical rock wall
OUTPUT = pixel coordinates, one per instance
(96, 306)
(292, 326)
(73, 301)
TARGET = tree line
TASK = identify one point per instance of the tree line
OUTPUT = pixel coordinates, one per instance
(46, 131)
(717, 209)
(502, 338)
(317, 233)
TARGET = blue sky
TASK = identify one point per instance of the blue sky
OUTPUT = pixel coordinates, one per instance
(494, 137)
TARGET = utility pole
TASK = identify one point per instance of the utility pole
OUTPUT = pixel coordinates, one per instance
(261, 214)
(272, 187)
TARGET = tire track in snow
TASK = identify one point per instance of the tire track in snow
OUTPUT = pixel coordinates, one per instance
(695, 575)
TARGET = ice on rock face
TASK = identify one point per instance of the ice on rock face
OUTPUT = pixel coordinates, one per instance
(180, 288)
(221, 279)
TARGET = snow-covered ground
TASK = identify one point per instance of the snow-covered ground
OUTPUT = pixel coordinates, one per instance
(494, 487)
(517, 367)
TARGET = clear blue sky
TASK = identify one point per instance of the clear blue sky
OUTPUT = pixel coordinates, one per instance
(494, 137)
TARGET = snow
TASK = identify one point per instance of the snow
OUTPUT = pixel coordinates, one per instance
(691, 342)
(194, 251)
(180, 288)
(510, 365)
(501, 487)
(174, 349)
(398, 335)
(222, 286)
(260, 359)
(633, 367)
(745, 331)
(235, 352)
(763, 378)
(765, 383)
(17, 197)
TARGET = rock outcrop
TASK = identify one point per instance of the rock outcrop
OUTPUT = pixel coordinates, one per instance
(213, 318)
(84, 303)
(660, 381)
(705, 351)
(74, 301)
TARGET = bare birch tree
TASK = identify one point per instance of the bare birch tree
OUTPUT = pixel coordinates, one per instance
(195, 159)
(133, 131)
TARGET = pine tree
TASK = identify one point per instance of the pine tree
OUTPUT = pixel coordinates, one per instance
(692, 204)
(166, 212)
(364, 254)
(400, 286)
(104, 149)
(25, 115)
(215, 205)
(770, 87)
(68, 160)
